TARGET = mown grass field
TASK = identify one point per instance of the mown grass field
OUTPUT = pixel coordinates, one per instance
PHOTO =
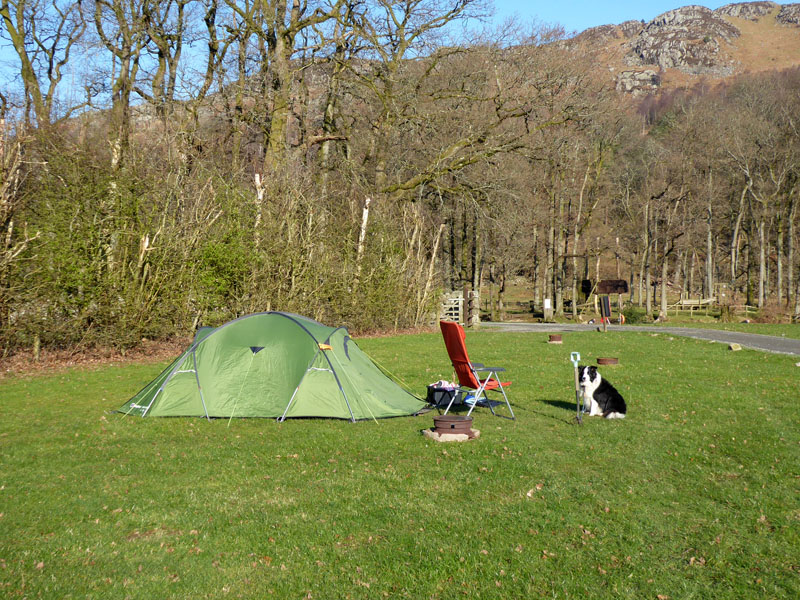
(787, 330)
(694, 495)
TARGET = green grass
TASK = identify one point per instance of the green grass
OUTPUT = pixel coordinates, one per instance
(789, 330)
(694, 495)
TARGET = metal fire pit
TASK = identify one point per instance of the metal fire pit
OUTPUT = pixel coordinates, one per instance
(452, 424)
(607, 360)
(451, 428)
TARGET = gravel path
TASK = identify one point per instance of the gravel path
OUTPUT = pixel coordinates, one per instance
(767, 343)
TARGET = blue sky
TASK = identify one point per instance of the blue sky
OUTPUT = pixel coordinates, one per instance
(577, 15)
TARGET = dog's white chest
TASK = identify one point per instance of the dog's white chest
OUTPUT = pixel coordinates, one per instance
(589, 404)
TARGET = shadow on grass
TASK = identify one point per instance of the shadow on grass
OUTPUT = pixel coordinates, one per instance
(561, 404)
(464, 408)
(568, 417)
(569, 407)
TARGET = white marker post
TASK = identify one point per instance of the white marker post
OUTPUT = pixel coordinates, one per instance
(575, 357)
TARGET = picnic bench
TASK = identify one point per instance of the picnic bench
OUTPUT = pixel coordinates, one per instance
(692, 304)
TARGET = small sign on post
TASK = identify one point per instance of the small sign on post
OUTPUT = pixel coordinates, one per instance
(605, 310)
(548, 310)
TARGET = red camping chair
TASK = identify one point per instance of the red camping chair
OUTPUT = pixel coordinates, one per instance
(469, 373)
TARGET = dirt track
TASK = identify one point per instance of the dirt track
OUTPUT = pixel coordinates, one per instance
(767, 343)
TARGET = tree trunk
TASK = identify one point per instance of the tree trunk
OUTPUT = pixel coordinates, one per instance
(362, 235)
(501, 294)
(550, 251)
(450, 251)
(662, 313)
(475, 255)
(640, 297)
(537, 263)
(762, 262)
(749, 272)
(790, 269)
(796, 317)
(429, 279)
(708, 282)
(560, 261)
(648, 282)
(281, 99)
(779, 243)
(465, 253)
(735, 236)
(575, 279)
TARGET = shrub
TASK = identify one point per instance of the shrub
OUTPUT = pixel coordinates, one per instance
(635, 314)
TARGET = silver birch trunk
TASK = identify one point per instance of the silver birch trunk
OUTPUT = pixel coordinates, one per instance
(429, 279)
(362, 234)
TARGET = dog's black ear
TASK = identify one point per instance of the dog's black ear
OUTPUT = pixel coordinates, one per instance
(592, 371)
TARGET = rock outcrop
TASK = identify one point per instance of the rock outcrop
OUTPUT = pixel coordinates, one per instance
(604, 34)
(687, 39)
(789, 15)
(638, 83)
(752, 11)
(693, 41)
(630, 29)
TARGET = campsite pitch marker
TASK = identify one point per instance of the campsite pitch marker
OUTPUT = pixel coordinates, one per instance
(575, 357)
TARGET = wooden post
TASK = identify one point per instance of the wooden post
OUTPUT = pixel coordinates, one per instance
(605, 311)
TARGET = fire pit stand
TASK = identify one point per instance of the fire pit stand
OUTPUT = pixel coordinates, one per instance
(451, 428)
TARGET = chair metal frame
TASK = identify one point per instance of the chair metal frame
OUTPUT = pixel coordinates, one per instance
(469, 373)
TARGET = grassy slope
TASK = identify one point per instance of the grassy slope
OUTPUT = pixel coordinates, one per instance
(693, 495)
(765, 44)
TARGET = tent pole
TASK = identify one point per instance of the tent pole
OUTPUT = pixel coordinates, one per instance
(339, 383)
(297, 389)
(154, 397)
(344, 372)
(335, 376)
(197, 379)
(282, 418)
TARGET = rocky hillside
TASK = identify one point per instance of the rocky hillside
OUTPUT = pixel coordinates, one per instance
(690, 42)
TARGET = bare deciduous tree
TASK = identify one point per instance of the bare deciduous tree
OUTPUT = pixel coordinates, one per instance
(43, 34)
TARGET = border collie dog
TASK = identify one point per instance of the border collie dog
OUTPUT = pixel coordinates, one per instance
(600, 398)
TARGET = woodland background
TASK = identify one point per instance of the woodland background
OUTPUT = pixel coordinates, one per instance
(170, 164)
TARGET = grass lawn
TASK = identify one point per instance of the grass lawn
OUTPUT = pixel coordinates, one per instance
(694, 495)
(787, 330)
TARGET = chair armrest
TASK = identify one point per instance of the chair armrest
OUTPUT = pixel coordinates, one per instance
(482, 368)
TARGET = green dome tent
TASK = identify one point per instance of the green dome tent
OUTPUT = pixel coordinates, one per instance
(273, 364)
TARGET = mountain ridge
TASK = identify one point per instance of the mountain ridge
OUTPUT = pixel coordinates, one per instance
(678, 47)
